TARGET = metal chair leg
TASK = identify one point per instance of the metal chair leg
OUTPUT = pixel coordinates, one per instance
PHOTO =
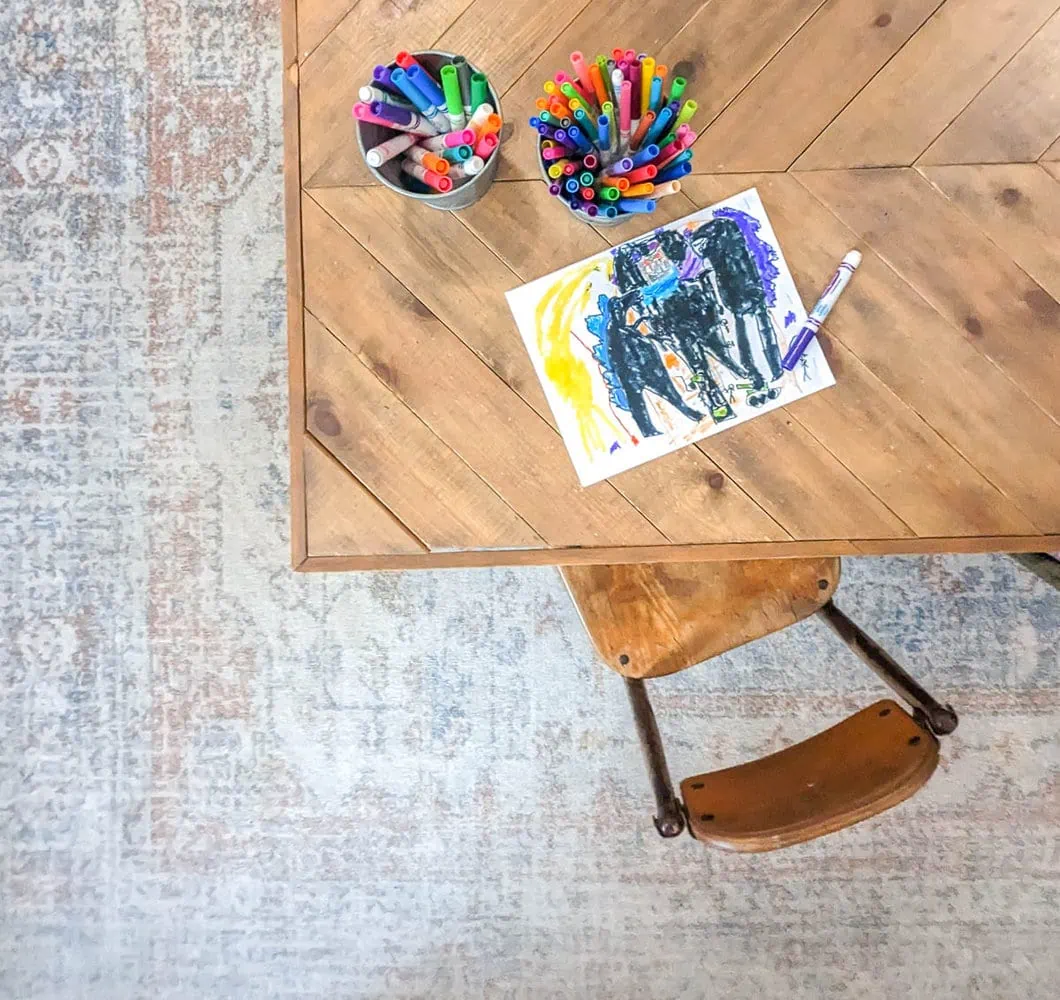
(669, 818)
(940, 719)
(1041, 564)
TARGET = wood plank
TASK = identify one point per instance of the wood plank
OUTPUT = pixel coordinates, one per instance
(1051, 167)
(1005, 314)
(684, 494)
(927, 84)
(721, 49)
(521, 223)
(1053, 152)
(685, 553)
(388, 448)
(372, 32)
(292, 201)
(1017, 205)
(670, 209)
(449, 270)
(807, 83)
(648, 24)
(654, 619)
(787, 471)
(1016, 116)
(344, 518)
(505, 38)
(316, 18)
(897, 337)
(457, 396)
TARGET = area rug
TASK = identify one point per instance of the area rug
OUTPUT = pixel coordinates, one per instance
(220, 779)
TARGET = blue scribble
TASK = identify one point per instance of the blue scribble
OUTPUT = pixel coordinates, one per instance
(597, 326)
(614, 447)
(789, 318)
(765, 256)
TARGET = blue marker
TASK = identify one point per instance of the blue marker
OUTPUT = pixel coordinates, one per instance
(572, 185)
(673, 172)
(847, 266)
(660, 125)
(423, 81)
(603, 131)
(579, 139)
(643, 205)
(645, 154)
(400, 80)
(655, 97)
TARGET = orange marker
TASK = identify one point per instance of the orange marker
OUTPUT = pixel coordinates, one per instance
(646, 123)
(598, 84)
(491, 125)
(430, 160)
(541, 104)
(639, 190)
(618, 182)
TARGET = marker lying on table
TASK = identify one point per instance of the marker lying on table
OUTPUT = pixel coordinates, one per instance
(820, 312)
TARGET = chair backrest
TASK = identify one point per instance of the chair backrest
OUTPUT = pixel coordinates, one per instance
(652, 619)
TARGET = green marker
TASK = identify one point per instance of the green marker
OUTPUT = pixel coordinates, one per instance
(548, 117)
(688, 109)
(609, 193)
(570, 93)
(677, 88)
(454, 100)
(480, 91)
(586, 178)
(586, 124)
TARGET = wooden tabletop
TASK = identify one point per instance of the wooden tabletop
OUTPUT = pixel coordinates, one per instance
(419, 432)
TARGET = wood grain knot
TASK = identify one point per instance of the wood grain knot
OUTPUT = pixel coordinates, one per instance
(715, 480)
(325, 421)
(973, 326)
(1009, 196)
(883, 20)
(1042, 303)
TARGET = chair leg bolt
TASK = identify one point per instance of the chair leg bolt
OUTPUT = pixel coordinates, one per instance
(914, 740)
(623, 659)
(707, 817)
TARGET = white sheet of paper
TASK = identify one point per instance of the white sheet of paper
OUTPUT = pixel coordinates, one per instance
(667, 338)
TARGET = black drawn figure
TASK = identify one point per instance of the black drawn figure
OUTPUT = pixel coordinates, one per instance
(689, 295)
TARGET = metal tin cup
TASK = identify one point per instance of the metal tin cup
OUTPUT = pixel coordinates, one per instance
(389, 174)
(599, 220)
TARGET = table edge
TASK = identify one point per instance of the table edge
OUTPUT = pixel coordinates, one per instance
(727, 551)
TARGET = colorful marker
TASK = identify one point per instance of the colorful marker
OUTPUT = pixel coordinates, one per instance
(819, 313)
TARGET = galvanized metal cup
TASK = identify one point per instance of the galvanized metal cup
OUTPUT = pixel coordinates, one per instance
(600, 220)
(389, 174)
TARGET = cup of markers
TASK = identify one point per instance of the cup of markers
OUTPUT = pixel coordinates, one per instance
(613, 136)
(428, 126)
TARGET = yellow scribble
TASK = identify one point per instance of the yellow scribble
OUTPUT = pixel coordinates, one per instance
(563, 302)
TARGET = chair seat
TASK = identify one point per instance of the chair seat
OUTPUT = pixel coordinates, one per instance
(862, 766)
(651, 619)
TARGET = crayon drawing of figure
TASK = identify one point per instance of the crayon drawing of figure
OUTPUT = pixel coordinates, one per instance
(667, 338)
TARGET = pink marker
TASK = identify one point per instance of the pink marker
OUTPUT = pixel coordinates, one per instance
(629, 55)
(378, 155)
(554, 153)
(590, 161)
(488, 143)
(437, 143)
(429, 177)
(634, 102)
(563, 77)
(623, 116)
(581, 67)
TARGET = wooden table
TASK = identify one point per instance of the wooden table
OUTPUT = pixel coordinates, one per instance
(419, 433)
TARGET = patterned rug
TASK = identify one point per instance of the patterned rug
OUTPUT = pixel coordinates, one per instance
(219, 779)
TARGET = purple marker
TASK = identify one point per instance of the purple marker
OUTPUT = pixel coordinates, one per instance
(592, 211)
(847, 266)
(381, 78)
(392, 113)
(554, 188)
(623, 166)
(562, 137)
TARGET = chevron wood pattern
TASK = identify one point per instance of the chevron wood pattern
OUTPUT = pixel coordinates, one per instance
(925, 133)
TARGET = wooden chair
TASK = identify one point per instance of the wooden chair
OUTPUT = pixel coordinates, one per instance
(649, 620)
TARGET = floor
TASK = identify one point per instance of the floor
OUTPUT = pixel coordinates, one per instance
(222, 779)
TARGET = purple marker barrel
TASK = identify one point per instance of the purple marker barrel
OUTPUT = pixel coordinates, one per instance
(554, 188)
(392, 113)
(381, 78)
(561, 136)
(623, 166)
(592, 211)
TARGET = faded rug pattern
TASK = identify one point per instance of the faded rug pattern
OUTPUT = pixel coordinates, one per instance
(220, 779)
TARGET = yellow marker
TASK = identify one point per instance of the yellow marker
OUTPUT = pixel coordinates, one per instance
(639, 190)
(647, 71)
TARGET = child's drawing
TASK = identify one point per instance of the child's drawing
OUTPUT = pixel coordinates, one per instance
(668, 338)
